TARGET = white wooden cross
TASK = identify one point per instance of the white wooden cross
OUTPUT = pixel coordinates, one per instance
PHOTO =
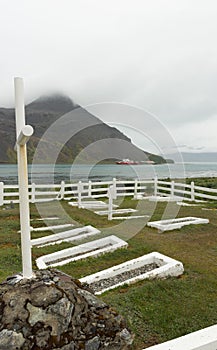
(23, 133)
(80, 190)
(112, 194)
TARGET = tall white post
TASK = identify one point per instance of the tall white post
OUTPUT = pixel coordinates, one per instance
(89, 188)
(22, 137)
(1, 193)
(172, 189)
(155, 186)
(62, 189)
(135, 188)
(112, 194)
(110, 204)
(192, 191)
(33, 193)
(114, 181)
(114, 184)
(80, 190)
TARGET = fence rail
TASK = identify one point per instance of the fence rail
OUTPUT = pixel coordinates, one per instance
(91, 189)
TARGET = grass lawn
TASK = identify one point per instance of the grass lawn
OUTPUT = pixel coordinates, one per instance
(156, 311)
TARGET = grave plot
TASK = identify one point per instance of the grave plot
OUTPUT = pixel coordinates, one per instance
(139, 196)
(66, 236)
(116, 211)
(83, 251)
(50, 228)
(115, 214)
(212, 209)
(45, 219)
(149, 266)
(91, 204)
(172, 224)
(164, 198)
(204, 339)
(130, 217)
(187, 204)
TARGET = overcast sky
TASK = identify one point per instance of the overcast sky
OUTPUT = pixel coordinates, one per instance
(157, 55)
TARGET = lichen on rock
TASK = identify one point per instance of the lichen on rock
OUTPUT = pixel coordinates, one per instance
(53, 311)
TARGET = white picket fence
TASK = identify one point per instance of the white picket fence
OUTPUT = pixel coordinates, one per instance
(187, 192)
(90, 189)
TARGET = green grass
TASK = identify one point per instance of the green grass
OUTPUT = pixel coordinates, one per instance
(210, 182)
(155, 310)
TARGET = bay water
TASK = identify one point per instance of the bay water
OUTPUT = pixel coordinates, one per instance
(46, 173)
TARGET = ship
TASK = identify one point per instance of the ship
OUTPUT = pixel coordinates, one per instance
(127, 162)
(133, 162)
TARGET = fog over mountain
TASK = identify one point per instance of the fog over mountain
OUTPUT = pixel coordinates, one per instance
(64, 132)
(159, 56)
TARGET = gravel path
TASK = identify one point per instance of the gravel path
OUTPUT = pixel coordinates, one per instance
(111, 281)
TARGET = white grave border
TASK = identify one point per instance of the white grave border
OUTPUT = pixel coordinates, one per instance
(90, 204)
(168, 268)
(172, 224)
(82, 251)
(204, 339)
(75, 234)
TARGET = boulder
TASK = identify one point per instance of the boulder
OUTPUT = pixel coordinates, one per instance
(54, 311)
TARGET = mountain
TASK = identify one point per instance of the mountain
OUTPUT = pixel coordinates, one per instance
(202, 157)
(64, 132)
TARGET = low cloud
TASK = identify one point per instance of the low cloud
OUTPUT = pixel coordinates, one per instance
(158, 56)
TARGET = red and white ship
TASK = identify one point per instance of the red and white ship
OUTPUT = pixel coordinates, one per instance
(133, 162)
(127, 162)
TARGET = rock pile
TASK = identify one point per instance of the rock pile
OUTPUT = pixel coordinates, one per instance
(53, 311)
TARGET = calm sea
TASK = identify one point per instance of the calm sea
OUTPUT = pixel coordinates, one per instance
(72, 173)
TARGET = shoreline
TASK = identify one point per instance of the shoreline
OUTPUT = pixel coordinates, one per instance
(48, 173)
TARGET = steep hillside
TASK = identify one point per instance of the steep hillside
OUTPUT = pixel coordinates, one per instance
(64, 131)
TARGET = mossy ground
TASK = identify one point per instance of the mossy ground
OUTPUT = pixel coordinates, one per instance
(155, 310)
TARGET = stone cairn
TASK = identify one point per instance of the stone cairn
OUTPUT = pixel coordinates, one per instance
(54, 311)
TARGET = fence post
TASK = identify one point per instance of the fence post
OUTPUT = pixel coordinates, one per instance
(89, 188)
(110, 206)
(80, 190)
(112, 194)
(155, 186)
(114, 184)
(33, 193)
(192, 191)
(1, 193)
(135, 189)
(62, 189)
(172, 188)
